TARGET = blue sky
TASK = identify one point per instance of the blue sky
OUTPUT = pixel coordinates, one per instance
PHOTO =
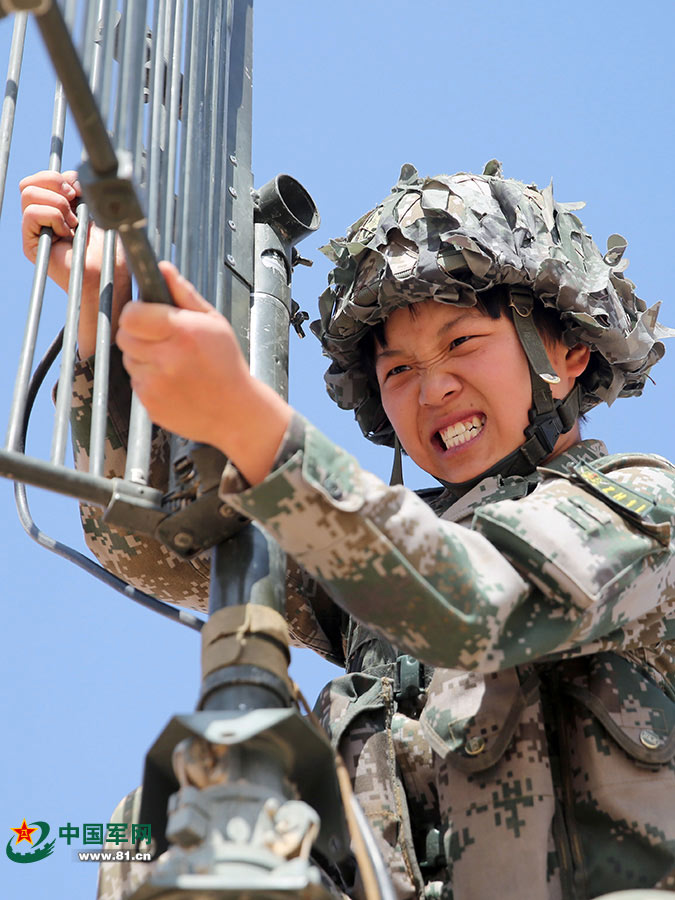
(343, 95)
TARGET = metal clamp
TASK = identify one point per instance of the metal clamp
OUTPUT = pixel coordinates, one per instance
(409, 684)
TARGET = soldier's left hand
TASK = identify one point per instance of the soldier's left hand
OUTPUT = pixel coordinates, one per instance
(190, 374)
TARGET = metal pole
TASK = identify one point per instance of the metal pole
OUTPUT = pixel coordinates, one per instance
(11, 92)
(172, 102)
(27, 355)
(100, 85)
(63, 395)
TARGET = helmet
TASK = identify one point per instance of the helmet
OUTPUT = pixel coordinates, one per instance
(454, 237)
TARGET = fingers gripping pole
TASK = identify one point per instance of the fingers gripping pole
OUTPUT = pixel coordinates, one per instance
(107, 179)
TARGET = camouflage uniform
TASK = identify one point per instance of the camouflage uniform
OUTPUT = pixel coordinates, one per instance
(508, 712)
(548, 608)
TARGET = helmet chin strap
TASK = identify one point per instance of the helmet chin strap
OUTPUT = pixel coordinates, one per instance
(549, 418)
(397, 467)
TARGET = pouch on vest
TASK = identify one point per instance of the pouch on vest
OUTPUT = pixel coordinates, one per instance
(470, 718)
(634, 711)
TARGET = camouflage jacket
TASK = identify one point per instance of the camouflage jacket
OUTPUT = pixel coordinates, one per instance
(537, 759)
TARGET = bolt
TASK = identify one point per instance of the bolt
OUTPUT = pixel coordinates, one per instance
(183, 540)
(230, 259)
(232, 224)
(233, 191)
(233, 159)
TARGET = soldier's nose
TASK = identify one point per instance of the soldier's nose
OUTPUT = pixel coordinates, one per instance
(436, 386)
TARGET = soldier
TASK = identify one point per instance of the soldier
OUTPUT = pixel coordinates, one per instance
(508, 712)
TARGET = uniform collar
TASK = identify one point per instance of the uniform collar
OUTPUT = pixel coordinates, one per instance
(512, 487)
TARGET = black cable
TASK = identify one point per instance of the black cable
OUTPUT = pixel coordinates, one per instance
(63, 550)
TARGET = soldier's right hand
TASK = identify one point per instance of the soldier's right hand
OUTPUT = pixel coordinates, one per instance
(49, 199)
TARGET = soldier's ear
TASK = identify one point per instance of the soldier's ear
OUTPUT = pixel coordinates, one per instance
(576, 360)
(569, 363)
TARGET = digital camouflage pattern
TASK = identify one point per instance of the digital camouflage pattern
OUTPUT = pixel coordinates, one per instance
(118, 550)
(451, 237)
(118, 880)
(146, 563)
(543, 760)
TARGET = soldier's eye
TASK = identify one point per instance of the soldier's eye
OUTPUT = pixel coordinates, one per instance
(396, 370)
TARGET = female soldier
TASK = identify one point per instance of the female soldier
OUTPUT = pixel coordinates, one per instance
(508, 712)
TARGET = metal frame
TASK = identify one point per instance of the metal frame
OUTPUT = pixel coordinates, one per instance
(174, 180)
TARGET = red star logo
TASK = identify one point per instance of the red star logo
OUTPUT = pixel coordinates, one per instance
(24, 833)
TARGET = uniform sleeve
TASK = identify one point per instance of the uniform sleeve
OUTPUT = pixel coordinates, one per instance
(484, 598)
(314, 620)
(138, 559)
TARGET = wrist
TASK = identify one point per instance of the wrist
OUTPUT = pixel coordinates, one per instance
(252, 436)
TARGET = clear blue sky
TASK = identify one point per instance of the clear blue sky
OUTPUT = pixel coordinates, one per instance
(343, 95)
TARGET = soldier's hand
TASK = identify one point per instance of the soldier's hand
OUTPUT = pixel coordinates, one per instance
(190, 374)
(49, 199)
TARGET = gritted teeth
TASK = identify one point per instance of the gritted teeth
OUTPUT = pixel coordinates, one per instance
(461, 432)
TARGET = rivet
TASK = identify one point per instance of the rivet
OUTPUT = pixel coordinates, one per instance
(233, 191)
(232, 224)
(230, 259)
(233, 159)
(474, 746)
(650, 739)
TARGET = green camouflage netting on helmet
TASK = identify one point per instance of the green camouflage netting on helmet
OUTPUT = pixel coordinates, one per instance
(452, 237)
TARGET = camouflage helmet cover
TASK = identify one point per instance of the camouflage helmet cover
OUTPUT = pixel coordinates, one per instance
(454, 237)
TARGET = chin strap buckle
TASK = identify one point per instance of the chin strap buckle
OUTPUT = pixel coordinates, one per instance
(546, 428)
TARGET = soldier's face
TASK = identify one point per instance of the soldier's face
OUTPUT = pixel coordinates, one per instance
(455, 385)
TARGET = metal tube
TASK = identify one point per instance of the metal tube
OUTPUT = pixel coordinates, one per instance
(197, 126)
(64, 395)
(209, 89)
(140, 426)
(173, 613)
(143, 86)
(173, 101)
(103, 60)
(100, 85)
(161, 93)
(131, 74)
(127, 127)
(140, 440)
(156, 118)
(27, 354)
(17, 409)
(236, 277)
(59, 45)
(11, 92)
(99, 411)
(215, 152)
(191, 223)
(19, 467)
(223, 275)
(182, 247)
(87, 46)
